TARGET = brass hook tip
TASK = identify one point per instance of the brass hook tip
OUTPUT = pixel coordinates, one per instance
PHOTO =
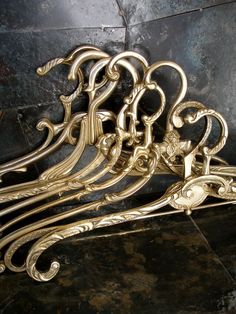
(40, 71)
(2, 267)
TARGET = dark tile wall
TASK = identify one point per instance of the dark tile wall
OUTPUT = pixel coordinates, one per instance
(202, 42)
(28, 15)
(199, 35)
(141, 11)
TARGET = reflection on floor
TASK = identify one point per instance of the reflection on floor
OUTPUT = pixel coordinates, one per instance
(176, 264)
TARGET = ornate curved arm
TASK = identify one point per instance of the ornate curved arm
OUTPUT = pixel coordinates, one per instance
(129, 149)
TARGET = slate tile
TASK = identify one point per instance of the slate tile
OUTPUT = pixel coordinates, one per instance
(13, 144)
(12, 140)
(54, 14)
(139, 11)
(165, 269)
(218, 226)
(22, 53)
(202, 43)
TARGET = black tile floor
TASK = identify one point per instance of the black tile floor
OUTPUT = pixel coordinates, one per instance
(175, 264)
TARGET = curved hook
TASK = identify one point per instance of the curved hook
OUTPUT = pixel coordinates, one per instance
(179, 121)
(56, 61)
(96, 102)
(207, 151)
(111, 71)
(133, 100)
(88, 55)
(182, 91)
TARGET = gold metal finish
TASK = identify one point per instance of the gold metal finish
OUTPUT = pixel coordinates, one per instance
(129, 149)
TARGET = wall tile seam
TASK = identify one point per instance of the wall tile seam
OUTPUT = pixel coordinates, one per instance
(41, 30)
(129, 26)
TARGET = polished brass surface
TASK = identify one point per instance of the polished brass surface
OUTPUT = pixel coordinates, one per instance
(129, 149)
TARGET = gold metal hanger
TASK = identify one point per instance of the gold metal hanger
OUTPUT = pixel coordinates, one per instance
(129, 149)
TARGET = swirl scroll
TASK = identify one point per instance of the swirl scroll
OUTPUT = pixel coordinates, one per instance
(131, 148)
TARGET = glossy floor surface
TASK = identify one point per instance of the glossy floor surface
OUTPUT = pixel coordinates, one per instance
(176, 264)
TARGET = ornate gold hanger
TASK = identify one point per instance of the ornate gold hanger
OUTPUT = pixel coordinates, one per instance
(128, 149)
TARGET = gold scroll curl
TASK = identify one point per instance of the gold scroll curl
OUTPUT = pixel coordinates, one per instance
(131, 148)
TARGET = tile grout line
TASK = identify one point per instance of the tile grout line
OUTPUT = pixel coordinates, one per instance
(127, 25)
(122, 13)
(41, 30)
(181, 13)
(209, 246)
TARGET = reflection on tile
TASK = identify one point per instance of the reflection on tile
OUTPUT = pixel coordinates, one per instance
(202, 43)
(138, 11)
(168, 269)
(22, 53)
(219, 227)
(48, 14)
(10, 129)
(13, 144)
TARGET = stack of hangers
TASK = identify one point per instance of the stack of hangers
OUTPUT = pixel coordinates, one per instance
(128, 149)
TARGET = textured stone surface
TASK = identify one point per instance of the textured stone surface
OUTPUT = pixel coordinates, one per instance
(10, 129)
(54, 14)
(139, 11)
(156, 266)
(219, 227)
(203, 43)
(21, 54)
(14, 144)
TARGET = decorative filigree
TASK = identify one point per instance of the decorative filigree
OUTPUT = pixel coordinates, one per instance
(130, 148)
